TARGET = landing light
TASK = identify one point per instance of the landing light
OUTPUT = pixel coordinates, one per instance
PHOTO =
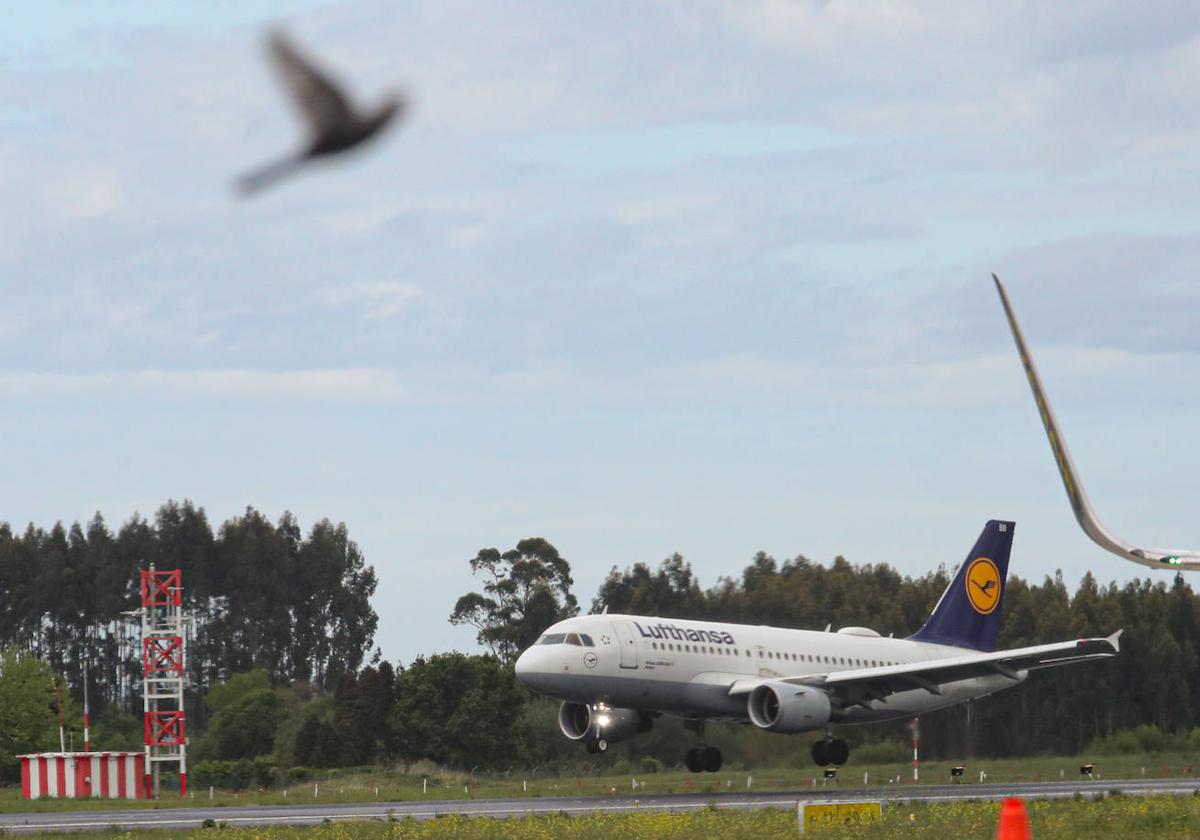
(1172, 561)
(602, 720)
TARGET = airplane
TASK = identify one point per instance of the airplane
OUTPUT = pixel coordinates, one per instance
(617, 673)
(1155, 558)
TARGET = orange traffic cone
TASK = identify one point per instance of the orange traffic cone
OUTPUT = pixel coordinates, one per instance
(1014, 821)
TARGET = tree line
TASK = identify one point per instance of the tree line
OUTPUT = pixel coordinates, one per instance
(260, 595)
(284, 629)
(1154, 681)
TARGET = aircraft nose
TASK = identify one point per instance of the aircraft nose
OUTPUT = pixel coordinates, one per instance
(522, 667)
(533, 668)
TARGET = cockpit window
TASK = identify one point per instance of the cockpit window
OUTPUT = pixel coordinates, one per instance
(573, 639)
(587, 640)
(552, 639)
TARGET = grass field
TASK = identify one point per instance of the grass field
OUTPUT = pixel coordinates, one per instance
(395, 786)
(1115, 817)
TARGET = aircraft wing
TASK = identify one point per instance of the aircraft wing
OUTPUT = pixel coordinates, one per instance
(861, 684)
(1153, 557)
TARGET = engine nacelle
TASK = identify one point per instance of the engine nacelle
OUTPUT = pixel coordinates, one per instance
(579, 721)
(786, 708)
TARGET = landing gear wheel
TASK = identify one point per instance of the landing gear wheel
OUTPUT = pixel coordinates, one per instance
(601, 745)
(694, 760)
(593, 747)
(710, 759)
(838, 752)
(820, 753)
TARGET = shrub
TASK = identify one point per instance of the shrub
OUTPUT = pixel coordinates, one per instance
(650, 764)
(882, 752)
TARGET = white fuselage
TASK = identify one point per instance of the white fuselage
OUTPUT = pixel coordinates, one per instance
(688, 667)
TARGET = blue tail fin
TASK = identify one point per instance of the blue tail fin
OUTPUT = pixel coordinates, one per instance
(968, 614)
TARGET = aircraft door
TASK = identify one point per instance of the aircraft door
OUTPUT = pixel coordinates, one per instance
(627, 643)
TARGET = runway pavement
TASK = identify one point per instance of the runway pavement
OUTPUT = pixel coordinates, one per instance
(250, 815)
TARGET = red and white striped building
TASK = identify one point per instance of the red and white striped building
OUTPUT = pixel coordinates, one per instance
(100, 775)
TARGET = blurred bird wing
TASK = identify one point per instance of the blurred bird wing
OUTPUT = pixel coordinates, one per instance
(320, 101)
(1155, 558)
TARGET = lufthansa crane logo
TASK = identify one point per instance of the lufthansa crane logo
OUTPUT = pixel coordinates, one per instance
(983, 585)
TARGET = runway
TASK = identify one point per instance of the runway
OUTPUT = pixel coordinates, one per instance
(300, 815)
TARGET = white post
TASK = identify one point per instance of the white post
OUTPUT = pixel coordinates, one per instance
(916, 744)
(425, 786)
(749, 779)
(865, 777)
(210, 791)
(316, 789)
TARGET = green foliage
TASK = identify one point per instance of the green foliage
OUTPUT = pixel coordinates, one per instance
(1147, 739)
(1155, 681)
(28, 712)
(117, 729)
(236, 775)
(246, 713)
(236, 688)
(458, 710)
(650, 764)
(262, 595)
(525, 590)
(883, 752)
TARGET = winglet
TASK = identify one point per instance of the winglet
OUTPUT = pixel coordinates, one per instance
(1155, 558)
(1115, 640)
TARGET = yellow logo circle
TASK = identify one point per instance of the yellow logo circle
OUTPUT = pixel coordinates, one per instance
(983, 585)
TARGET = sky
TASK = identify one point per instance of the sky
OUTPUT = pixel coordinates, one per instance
(637, 277)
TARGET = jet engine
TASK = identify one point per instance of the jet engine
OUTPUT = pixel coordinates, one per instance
(786, 708)
(580, 721)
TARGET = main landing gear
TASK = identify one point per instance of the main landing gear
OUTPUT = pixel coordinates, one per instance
(703, 759)
(595, 746)
(830, 751)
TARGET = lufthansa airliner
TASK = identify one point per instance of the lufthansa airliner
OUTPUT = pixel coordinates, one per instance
(616, 673)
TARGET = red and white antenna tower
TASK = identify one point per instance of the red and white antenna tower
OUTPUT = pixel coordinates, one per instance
(164, 674)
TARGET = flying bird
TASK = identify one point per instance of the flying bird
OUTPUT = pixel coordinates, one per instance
(334, 123)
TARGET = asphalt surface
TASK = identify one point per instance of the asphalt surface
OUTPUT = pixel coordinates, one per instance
(250, 815)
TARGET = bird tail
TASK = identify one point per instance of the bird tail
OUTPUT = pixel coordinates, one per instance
(265, 176)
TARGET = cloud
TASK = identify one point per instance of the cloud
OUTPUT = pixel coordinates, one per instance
(356, 385)
(379, 301)
(83, 196)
